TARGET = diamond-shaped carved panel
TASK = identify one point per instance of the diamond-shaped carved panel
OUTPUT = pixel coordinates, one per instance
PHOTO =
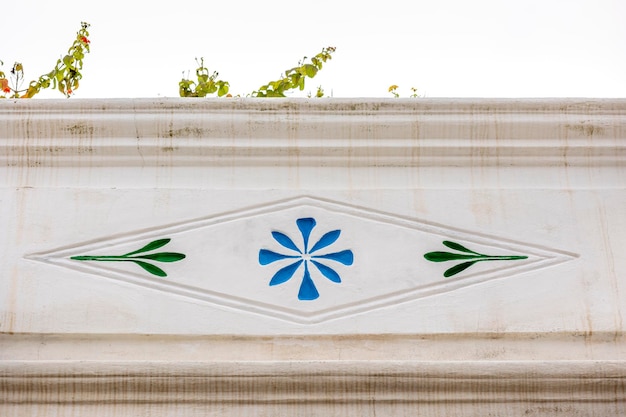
(304, 260)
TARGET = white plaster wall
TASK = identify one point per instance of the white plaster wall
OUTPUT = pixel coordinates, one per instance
(541, 180)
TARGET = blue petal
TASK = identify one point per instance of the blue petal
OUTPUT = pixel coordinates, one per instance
(306, 225)
(345, 257)
(285, 241)
(327, 272)
(307, 287)
(328, 239)
(285, 274)
(267, 256)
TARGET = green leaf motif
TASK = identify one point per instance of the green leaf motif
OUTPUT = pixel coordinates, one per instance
(469, 256)
(458, 268)
(456, 246)
(446, 256)
(164, 256)
(153, 269)
(140, 257)
(151, 246)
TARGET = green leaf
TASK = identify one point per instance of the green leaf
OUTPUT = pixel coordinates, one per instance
(456, 246)
(164, 256)
(156, 244)
(447, 256)
(310, 70)
(458, 268)
(223, 90)
(154, 270)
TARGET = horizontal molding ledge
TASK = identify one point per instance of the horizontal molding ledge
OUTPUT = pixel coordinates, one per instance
(311, 381)
(325, 132)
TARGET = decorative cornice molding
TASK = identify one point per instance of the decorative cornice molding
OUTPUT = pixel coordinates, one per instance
(257, 132)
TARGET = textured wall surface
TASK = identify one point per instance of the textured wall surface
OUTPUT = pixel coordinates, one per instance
(252, 257)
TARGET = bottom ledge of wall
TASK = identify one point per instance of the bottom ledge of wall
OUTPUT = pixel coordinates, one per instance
(313, 388)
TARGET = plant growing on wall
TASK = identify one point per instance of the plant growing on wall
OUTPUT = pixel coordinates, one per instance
(393, 89)
(207, 83)
(65, 76)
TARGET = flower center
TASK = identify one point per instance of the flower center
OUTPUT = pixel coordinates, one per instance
(306, 256)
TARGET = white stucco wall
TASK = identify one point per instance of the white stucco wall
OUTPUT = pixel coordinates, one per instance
(359, 256)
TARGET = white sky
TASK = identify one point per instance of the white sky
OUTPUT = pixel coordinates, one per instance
(445, 48)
